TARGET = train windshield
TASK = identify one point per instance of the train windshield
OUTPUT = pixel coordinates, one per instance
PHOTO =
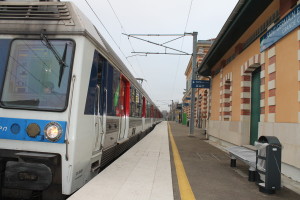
(37, 74)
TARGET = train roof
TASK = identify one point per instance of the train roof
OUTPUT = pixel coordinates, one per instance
(63, 18)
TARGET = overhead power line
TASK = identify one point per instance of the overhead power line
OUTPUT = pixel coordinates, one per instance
(109, 34)
(186, 23)
(131, 45)
(188, 17)
(139, 66)
(122, 27)
(173, 39)
(161, 45)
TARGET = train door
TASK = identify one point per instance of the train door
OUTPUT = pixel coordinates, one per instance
(152, 114)
(98, 109)
(144, 113)
(124, 98)
(94, 101)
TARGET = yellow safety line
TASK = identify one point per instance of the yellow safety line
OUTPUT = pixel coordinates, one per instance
(185, 189)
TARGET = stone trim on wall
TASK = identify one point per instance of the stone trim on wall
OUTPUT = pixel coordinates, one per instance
(299, 78)
(221, 97)
(204, 106)
(198, 106)
(271, 98)
(225, 109)
(246, 72)
(262, 87)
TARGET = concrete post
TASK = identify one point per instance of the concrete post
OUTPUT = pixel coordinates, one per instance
(194, 57)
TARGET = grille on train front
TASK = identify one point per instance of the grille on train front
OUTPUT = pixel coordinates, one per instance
(34, 11)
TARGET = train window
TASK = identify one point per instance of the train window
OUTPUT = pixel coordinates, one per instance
(133, 102)
(143, 107)
(121, 105)
(95, 99)
(138, 104)
(113, 90)
(148, 109)
(151, 111)
(38, 74)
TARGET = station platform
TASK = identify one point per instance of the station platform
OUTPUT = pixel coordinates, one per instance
(169, 164)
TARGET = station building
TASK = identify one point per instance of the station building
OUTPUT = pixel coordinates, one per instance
(201, 95)
(255, 78)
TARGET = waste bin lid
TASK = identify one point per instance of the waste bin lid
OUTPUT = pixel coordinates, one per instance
(269, 140)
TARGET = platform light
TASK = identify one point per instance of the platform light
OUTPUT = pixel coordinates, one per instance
(53, 131)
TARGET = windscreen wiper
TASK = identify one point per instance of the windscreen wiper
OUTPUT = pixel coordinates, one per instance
(61, 60)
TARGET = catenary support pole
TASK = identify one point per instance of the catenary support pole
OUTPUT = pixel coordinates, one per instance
(172, 111)
(194, 57)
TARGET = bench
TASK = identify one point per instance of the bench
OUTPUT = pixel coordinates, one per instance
(246, 155)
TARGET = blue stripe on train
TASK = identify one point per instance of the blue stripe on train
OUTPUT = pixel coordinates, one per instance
(15, 129)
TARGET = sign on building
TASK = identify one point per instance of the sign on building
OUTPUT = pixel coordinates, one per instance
(200, 84)
(282, 28)
(179, 106)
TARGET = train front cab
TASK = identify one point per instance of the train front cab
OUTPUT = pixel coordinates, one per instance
(55, 142)
(33, 118)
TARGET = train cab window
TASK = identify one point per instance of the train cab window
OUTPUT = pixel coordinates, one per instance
(4, 46)
(38, 74)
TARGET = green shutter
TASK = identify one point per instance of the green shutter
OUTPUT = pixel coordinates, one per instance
(184, 116)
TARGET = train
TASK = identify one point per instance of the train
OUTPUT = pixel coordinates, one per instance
(68, 104)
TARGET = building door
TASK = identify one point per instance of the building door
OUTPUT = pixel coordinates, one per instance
(255, 105)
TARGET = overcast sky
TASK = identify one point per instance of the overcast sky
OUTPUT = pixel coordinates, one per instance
(163, 74)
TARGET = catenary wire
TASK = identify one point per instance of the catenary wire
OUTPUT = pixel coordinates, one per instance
(123, 28)
(138, 63)
(109, 34)
(186, 23)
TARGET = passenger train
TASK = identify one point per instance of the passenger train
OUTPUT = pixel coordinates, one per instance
(68, 104)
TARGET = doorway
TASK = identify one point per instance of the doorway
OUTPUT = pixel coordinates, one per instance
(255, 105)
(124, 103)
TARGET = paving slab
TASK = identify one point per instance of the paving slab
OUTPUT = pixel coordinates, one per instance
(142, 173)
(209, 172)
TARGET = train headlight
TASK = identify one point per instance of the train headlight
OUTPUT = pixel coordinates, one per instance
(33, 130)
(53, 131)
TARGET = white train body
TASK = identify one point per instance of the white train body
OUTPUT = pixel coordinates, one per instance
(99, 110)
